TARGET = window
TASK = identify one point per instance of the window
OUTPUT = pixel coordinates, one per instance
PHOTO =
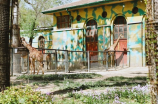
(135, 10)
(120, 27)
(63, 21)
(104, 14)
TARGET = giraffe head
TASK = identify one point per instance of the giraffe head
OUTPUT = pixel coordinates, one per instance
(22, 41)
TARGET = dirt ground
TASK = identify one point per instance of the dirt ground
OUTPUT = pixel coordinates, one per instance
(126, 72)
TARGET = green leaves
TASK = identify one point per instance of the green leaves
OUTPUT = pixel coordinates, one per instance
(27, 95)
(31, 17)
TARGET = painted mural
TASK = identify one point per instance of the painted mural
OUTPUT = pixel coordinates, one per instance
(74, 39)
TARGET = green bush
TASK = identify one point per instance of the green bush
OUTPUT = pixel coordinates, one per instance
(27, 95)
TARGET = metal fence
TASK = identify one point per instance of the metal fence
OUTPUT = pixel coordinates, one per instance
(70, 61)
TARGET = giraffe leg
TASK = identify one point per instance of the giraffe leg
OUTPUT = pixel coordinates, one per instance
(33, 66)
(40, 67)
(30, 68)
(47, 65)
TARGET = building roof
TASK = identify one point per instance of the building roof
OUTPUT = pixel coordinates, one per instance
(79, 4)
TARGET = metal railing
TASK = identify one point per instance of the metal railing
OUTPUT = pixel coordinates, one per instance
(71, 61)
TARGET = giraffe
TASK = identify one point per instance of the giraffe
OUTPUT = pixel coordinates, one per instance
(48, 60)
(33, 55)
(111, 49)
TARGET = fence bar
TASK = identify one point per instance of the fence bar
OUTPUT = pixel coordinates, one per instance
(28, 64)
(66, 61)
(115, 59)
(22, 65)
(106, 60)
(123, 59)
(55, 62)
(12, 64)
(129, 59)
(88, 60)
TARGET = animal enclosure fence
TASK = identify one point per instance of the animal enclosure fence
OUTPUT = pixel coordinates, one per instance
(70, 61)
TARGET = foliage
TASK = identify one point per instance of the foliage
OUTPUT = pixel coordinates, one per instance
(136, 95)
(16, 95)
(113, 90)
(59, 76)
(31, 16)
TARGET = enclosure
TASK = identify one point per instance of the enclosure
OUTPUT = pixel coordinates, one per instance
(70, 61)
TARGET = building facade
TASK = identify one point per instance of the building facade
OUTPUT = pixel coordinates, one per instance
(95, 25)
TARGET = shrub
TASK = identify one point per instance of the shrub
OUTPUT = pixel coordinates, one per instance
(27, 95)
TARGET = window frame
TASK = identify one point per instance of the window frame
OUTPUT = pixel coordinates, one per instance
(118, 25)
(62, 23)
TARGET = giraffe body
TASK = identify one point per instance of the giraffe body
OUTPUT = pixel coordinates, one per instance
(111, 50)
(34, 54)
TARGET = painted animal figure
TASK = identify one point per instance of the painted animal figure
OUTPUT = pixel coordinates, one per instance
(48, 60)
(34, 54)
(111, 50)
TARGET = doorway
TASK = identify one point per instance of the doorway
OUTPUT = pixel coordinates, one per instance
(92, 39)
(120, 27)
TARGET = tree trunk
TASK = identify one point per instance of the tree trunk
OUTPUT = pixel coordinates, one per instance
(30, 41)
(4, 44)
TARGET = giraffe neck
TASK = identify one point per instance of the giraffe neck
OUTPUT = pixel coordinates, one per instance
(28, 46)
(117, 41)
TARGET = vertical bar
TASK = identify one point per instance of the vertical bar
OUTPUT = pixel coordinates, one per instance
(142, 41)
(12, 63)
(115, 59)
(106, 60)
(104, 36)
(55, 62)
(123, 60)
(88, 60)
(28, 64)
(66, 62)
(22, 64)
(51, 62)
(129, 58)
(153, 17)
